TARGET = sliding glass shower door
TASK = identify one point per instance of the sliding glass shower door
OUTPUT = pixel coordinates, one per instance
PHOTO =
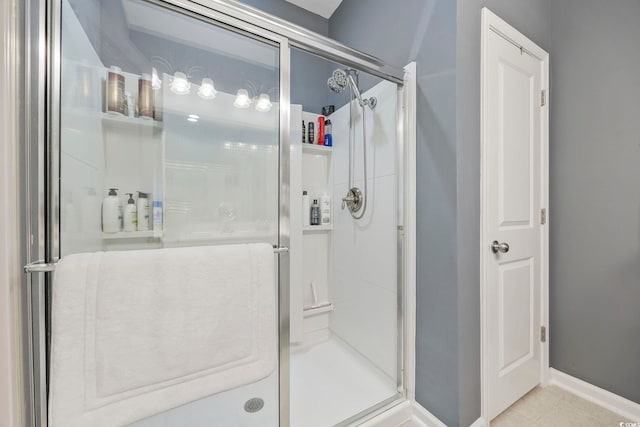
(169, 137)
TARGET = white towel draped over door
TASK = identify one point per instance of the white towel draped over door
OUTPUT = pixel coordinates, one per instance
(136, 333)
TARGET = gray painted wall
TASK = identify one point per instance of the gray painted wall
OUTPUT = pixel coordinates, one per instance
(531, 17)
(425, 31)
(595, 193)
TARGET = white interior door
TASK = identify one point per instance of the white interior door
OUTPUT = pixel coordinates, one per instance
(513, 199)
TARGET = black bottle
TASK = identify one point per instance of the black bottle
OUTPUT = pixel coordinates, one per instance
(312, 134)
(315, 213)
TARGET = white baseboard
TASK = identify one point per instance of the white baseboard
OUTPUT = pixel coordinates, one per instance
(421, 415)
(425, 417)
(413, 412)
(618, 404)
(479, 423)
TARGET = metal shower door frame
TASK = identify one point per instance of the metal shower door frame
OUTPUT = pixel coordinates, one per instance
(42, 142)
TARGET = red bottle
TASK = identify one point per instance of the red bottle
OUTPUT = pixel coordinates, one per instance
(321, 130)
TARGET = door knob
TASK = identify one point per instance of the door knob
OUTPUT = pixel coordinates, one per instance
(499, 247)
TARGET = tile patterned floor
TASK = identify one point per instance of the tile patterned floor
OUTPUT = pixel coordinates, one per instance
(554, 407)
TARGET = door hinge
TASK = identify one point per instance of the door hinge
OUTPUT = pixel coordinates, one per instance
(543, 334)
(543, 98)
(543, 216)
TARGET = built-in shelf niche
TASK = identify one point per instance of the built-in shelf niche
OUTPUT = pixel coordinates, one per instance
(133, 162)
(110, 119)
(314, 166)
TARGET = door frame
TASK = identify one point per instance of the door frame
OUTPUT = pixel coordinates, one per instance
(493, 23)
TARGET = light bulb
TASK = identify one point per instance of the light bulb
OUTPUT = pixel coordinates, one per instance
(156, 83)
(264, 103)
(242, 99)
(179, 84)
(207, 90)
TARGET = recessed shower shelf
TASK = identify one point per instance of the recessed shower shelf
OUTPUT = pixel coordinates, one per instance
(116, 119)
(316, 149)
(151, 234)
(109, 119)
(311, 228)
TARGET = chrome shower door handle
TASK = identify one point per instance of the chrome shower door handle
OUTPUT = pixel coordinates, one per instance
(40, 267)
(499, 247)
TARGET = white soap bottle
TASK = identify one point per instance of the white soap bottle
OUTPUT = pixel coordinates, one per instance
(325, 209)
(112, 212)
(306, 209)
(130, 214)
(143, 211)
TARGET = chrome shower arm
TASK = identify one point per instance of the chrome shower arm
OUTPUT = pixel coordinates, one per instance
(356, 91)
(370, 102)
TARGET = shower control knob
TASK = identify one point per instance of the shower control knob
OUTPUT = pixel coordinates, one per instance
(499, 247)
(353, 200)
(349, 199)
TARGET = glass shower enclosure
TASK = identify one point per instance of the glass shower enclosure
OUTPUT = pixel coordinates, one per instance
(170, 125)
(175, 119)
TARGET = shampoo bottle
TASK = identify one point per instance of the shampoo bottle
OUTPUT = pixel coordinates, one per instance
(315, 213)
(112, 212)
(325, 209)
(328, 139)
(143, 211)
(130, 215)
(321, 130)
(306, 212)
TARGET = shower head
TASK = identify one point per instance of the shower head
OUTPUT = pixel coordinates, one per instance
(333, 85)
(340, 79)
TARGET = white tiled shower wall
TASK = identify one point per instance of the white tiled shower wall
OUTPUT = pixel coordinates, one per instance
(364, 286)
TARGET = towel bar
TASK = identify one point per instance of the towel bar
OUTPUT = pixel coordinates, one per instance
(40, 267)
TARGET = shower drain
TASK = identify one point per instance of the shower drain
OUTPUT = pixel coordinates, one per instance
(253, 405)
